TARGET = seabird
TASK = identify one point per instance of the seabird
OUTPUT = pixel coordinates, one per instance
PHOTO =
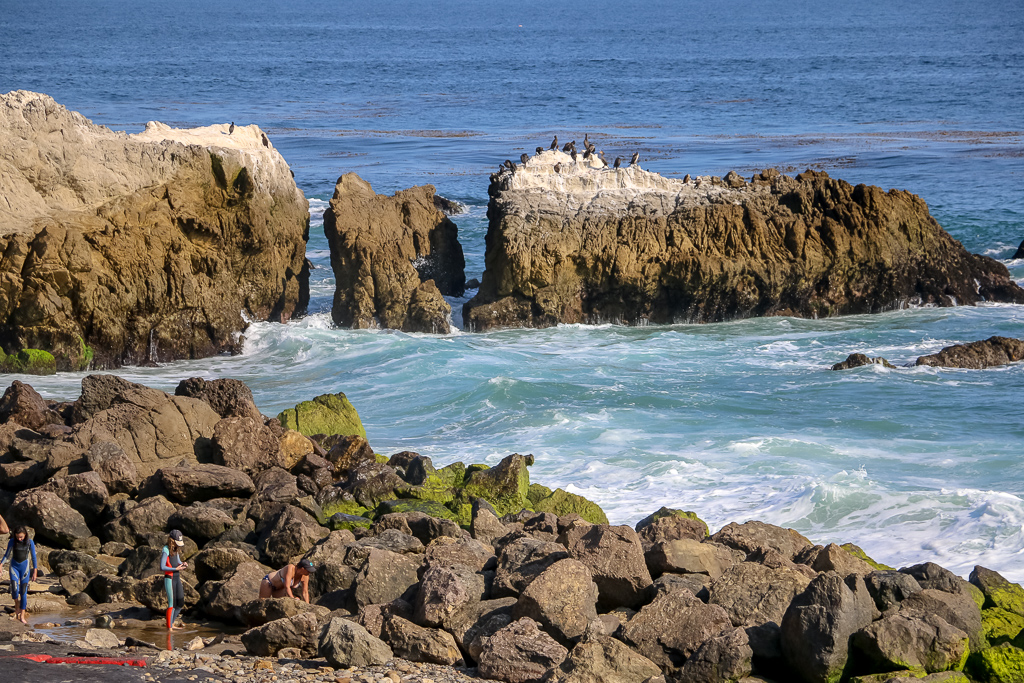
(539, 150)
(558, 168)
(636, 158)
(567, 147)
(266, 142)
(587, 154)
(600, 155)
(523, 158)
(509, 164)
(231, 128)
(514, 167)
(618, 162)
(586, 141)
(554, 143)
(572, 152)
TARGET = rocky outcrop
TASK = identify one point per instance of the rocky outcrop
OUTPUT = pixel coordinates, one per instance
(394, 258)
(126, 249)
(857, 360)
(590, 244)
(977, 355)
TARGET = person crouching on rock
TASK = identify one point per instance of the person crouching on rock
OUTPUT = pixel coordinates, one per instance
(20, 548)
(171, 565)
(288, 578)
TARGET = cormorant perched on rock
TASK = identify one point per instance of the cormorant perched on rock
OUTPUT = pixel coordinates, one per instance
(509, 165)
(618, 162)
(600, 155)
(539, 150)
(587, 154)
(572, 153)
(586, 140)
(554, 143)
(514, 167)
(636, 158)
(266, 142)
(566, 147)
(231, 128)
(558, 168)
(687, 178)
(523, 158)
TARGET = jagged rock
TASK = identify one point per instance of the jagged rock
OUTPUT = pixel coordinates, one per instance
(23, 405)
(201, 522)
(115, 467)
(521, 562)
(698, 584)
(141, 562)
(600, 659)
(64, 562)
(817, 626)
(671, 528)
(328, 557)
(670, 629)
(245, 444)
(998, 591)
(592, 245)
(616, 559)
(149, 516)
(833, 558)
(977, 355)
(468, 552)
(958, 609)
(856, 360)
(890, 587)
(422, 526)
(294, 447)
(562, 599)
(389, 539)
(371, 617)
(292, 533)
(474, 622)
(418, 644)
(383, 250)
(346, 644)
(752, 536)
(228, 397)
(265, 610)
(102, 638)
(224, 599)
(687, 556)
(520, 653)
(931, 575)
(51, 517)
(217, 564)
(75, 581)
(913, 642)
(723, 658)
(386, 576)
(106, 588)
(486, 526)
(84, 492)
(329, 414)
(505, 486)
(444, 589)
(300, 631)
(144, 247)
(203, 482)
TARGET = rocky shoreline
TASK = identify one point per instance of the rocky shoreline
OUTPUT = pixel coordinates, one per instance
(456, 573)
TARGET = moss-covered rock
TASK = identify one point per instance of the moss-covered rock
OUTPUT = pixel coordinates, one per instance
(463, 513)
(344, 507)
(998, 591)
(340, 521)
(537, 493)
(329, 414)
(564, 503)
(882, 678)
(1000, 664)
(31, 362)
(976, 594)
(427, 507)
(857, 552)
(439, 485)
(1000, 626)
(505, 486)
(670, 512)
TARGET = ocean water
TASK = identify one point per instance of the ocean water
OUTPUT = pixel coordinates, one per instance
(739, 420)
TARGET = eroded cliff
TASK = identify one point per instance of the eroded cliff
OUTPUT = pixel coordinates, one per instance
(141, 248)
(394, 258)
(589, 244)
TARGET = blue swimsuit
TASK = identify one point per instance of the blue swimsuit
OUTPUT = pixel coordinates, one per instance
(20, 552)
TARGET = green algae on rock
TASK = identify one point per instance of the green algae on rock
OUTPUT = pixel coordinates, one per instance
(1000, 664)
(29, 362)
(505, 486)
(562, 503)
(1000, 626)
(859, 553)
(329, 414)
(536, 493)
(670, 512)
(998, 591)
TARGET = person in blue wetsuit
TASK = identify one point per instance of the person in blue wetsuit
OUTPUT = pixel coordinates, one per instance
(21, 548)
(171, 565)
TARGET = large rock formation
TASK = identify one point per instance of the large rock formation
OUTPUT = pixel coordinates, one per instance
(393, 258)
(977, 355)
(125, 249)
(589, 244)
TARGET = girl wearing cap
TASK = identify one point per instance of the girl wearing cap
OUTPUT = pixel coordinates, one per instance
(171, 565)
(286, 579)
(20, 547)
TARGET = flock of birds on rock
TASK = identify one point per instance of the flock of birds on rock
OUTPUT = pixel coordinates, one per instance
(589, 150)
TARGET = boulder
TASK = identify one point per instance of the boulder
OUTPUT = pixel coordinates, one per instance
(562, 503)
(520, 653)
(75, 581)
(521, 561)
(328, 414)
(22, 405)
(294, 447)
(998, 591)
(977, 355)
(84, 492)
(107, 588)
(467, 552)
(632, 246)
(275, 485)
(217, 563)
(245, 445)
(371, 617)
(201, 522)
(485, 525)
(818, 624)
(422, 526)
(114, 466)
(346, 644)
(142, 562)
(444, 589)
(856, 360)
(301, 631)
(687, 556)
(418, 644)
(833, 558)
(671, 628)
(228, 397)
(674, 514)
(1001, 626)
(291, 534)
(224, 599)
(698, 584)
(386, 576)
(890, 587)
(723, 658)
(262, 611)
(505, 486)
(913, 642)
(616, 560)
(52, 518)
(562, 599)
(600, 659)
(152, 592)
(672, 528)
(958, 609)
(474, 622)
(101, 638)
(1000, 664)
(149, 516)
(389, 539)
(931, 575)
(384, 251)
(63, 562)
(752, 536)
(150, 247)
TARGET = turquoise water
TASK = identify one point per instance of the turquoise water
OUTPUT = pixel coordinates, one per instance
(737, 420)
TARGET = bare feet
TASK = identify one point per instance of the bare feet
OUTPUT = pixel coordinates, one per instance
(24, 619)
(176, 627)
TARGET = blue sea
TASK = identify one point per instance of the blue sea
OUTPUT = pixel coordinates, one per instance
(737, 420)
